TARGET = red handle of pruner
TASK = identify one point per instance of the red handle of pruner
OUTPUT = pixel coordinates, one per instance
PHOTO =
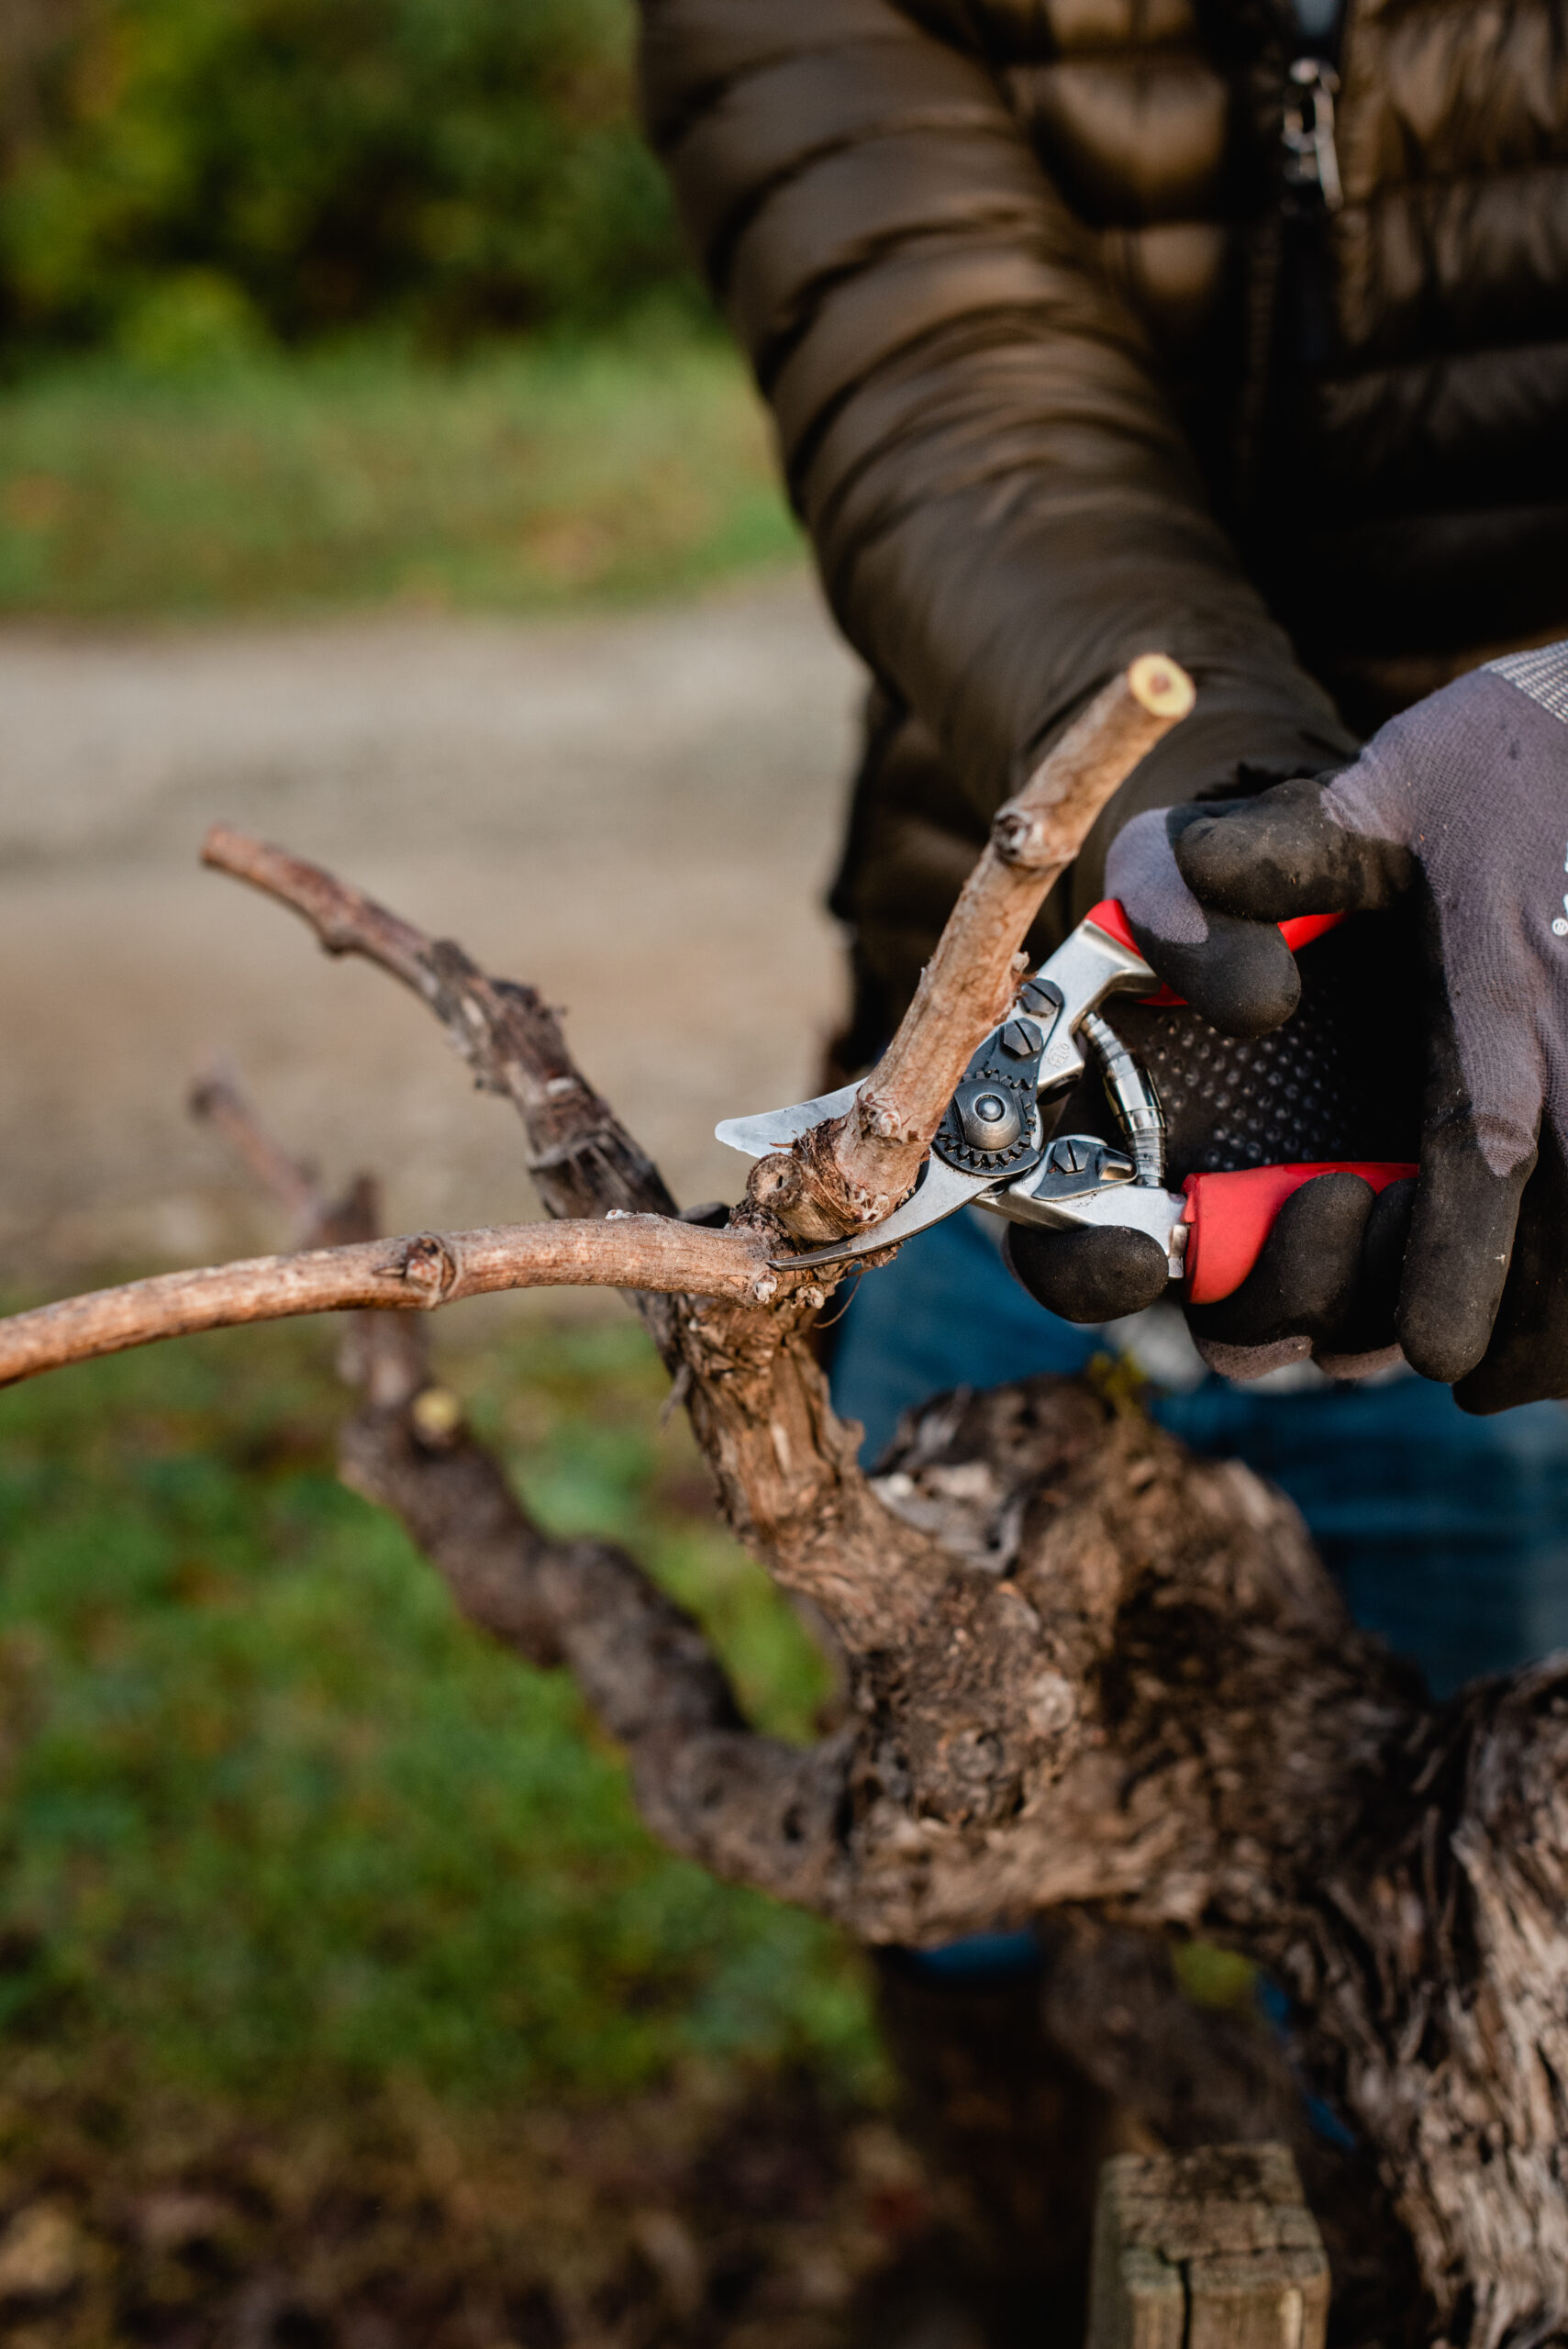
(1299, 933)
(1228, 1217)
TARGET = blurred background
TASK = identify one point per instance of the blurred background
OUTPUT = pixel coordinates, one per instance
(372, 473)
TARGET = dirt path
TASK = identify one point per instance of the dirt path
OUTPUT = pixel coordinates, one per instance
(636, 813)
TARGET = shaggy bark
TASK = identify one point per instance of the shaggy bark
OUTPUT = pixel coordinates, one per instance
(1081, 1671)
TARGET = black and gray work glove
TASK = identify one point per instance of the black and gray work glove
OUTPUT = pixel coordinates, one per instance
(1451, 828)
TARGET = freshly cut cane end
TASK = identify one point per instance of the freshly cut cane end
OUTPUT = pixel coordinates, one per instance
(1161, 687)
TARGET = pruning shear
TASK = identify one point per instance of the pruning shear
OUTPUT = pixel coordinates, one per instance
(991, 1150)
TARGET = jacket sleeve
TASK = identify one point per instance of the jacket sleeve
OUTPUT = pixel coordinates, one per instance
(1003, 507)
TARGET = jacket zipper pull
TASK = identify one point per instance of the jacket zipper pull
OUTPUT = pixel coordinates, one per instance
(1312, 160)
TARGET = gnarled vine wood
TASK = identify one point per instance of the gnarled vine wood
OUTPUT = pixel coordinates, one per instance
(1081, 1672)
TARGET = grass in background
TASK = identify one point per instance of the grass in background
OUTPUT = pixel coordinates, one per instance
(344, 2003)
(278, 1827)
(524, 478)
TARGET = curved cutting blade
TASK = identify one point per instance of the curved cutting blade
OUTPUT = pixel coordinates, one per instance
(772, 1129)
(943, 1190)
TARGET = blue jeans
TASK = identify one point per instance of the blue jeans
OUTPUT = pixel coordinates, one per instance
(1448, 1534)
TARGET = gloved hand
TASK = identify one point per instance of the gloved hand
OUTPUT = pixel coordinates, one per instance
(1452, 827)
(1325, 1285)
(1339, 1081)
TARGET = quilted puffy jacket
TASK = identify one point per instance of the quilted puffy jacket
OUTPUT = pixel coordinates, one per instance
(1074, 349)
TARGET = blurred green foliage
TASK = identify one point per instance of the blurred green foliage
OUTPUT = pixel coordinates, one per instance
(276, 1824)
(196, 176)
(516, 478)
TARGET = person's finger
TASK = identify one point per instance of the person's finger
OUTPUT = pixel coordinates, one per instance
(1305, 1284)
(1467, 1205)
(1087, 1275)
(1456, 1262)
(1369, 1328)
(1242, 979)
(1283, 853)
(1527, 1358)
(1239, 976)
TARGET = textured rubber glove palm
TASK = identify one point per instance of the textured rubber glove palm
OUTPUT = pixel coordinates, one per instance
(1458, 810)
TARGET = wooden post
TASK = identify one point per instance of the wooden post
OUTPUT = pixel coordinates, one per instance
(1211, 2250)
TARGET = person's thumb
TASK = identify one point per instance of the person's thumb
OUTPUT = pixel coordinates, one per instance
(1280, 855)
(1239, 974)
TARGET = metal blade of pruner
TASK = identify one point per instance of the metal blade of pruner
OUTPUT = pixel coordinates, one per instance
(772, 1129)
(992, 1136)
(941, 1192)
(1089, 965)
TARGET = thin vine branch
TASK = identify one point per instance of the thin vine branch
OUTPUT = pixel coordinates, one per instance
(216, 1100)
(852, 1171)
(584, 1162)
(385, 1356)
(415, 1274)
(708, 1786)
(787, 1474)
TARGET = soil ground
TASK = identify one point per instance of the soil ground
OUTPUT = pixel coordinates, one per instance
(637, 813)
(700, 2218)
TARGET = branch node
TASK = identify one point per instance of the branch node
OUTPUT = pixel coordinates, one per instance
(1020, 838)
(428, 1266)
(881, 1121)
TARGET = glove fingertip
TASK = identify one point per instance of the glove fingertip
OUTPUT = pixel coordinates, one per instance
(1457, 1258)
(1243, 980)
(1439, 1343)
(1268, 858)
(1087, 1276)
(1444, 1324)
